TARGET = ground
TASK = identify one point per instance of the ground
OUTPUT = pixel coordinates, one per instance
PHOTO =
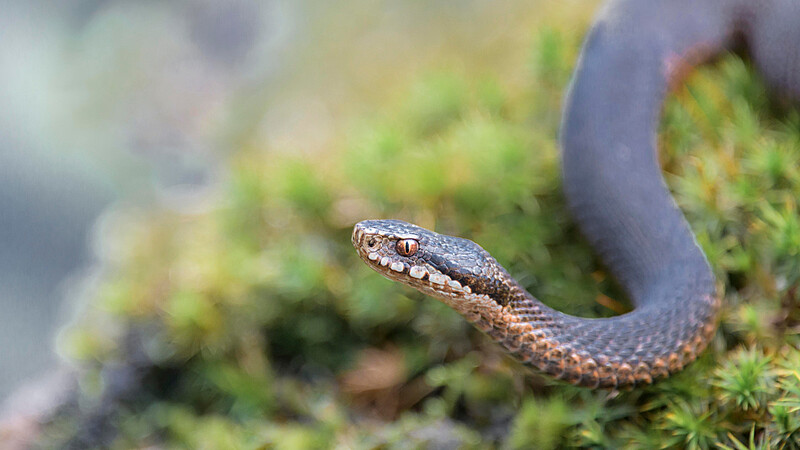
(255, 325)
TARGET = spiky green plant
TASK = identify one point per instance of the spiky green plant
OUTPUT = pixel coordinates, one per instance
(746, 379)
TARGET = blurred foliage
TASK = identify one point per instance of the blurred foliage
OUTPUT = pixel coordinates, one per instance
(269, 332)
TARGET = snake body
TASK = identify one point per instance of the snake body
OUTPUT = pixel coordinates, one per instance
(634, 52)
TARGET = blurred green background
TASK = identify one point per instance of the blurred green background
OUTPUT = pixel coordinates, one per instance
(229, 309)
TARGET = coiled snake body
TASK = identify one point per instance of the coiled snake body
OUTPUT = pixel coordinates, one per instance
(634, 52)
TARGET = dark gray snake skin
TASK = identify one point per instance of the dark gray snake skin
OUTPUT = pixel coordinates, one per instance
(634, 52)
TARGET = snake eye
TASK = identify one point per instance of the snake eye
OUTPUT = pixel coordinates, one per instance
(407, 247)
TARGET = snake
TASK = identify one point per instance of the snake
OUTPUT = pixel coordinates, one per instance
(635, 52)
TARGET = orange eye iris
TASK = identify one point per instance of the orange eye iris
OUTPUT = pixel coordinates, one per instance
(407, 247)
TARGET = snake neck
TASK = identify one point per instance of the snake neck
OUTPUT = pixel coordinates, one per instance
(637, 348)
(659, 337)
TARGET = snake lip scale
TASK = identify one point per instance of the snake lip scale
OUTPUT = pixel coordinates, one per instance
(634, 53)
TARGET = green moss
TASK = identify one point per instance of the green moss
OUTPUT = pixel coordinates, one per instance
(541, 424)
(746, 380)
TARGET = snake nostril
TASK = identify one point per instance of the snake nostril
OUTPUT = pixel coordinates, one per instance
(372, 243)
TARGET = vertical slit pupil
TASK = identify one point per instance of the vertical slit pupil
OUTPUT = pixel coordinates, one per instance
(407, 247)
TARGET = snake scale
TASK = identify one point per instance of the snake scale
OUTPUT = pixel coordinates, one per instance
(635, 51)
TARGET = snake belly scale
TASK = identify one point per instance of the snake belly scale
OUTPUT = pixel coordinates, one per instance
(634, 52)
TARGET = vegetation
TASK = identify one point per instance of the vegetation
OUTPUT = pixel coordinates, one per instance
(268, 332)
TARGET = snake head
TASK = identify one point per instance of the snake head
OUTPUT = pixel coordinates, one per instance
(447, 267)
